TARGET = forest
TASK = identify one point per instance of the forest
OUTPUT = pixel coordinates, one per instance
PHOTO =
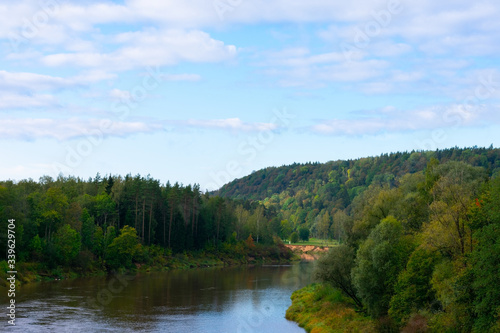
(419, 252)
(418, 233)
(113, 222)
(319, 196)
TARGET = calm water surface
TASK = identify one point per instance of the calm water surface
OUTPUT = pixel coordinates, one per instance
(235, 299)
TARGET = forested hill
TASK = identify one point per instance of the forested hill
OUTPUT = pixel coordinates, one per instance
(419, 237)
(341, 181)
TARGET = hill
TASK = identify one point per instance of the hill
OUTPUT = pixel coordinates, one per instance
(302, 192)
(419, 236)
(351, 175)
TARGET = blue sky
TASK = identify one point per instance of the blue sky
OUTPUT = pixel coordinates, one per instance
(207, 91)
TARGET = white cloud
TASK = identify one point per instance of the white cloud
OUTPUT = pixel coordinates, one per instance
(301, 69)
(32, 81)
(373, 88)
(423, 18)
(181, 77)
(149, 48)
(73, 128)
(27, 101)
(91, 76)
(394, 120)
(233, 124)
(119, 95)
(387, 48)
(400, 76)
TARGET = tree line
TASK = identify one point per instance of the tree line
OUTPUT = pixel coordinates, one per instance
(316, 196)
(110, 221)
(422, 254)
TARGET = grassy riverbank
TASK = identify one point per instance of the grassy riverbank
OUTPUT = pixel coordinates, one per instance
(154, 260)
(317, 242)
(320, 308)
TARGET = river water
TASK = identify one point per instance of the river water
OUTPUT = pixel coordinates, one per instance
(211, 300)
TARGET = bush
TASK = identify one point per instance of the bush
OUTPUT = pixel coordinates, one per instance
(84, 260)
(413, 290)
(379, 261)
(67, 244)
(335, 269)
(123, 249)
(304, 234)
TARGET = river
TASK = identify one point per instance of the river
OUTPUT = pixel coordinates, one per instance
(241, 299)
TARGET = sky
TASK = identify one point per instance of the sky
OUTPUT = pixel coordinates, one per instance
(206, 91)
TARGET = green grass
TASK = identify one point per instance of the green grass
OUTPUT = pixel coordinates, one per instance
(320, 308)
(316, 242)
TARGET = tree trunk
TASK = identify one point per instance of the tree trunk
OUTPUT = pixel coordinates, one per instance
(150, 220)
(164, 227)
(136, 211)
(143, 216)
(170, 224)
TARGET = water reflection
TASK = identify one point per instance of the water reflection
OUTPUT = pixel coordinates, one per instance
(237, 299)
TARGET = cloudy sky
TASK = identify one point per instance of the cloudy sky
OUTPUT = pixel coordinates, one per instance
(204, 91)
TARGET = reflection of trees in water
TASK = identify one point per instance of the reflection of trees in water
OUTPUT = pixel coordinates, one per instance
(252, 296)
(199, 290)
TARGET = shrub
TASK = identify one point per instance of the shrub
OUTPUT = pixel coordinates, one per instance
(123, 249)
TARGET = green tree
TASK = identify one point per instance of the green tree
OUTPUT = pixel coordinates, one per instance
(449, 229)
(87, 231)
(98, 242)
(49, 209)
(294, 237)
(36, 248)
(123, 249)
(324, 225)
(335, 268)
(286, 229)
(378, 262)
(304, 233)
(67, 244)
(104, 208)
(413, 290)
(485, 260)
(342, 224)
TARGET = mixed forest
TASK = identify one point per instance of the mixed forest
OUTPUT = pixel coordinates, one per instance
(113, 222)
(419, 236)
(418, 233)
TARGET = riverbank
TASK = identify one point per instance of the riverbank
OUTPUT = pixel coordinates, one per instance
(29, 272)
(308, 252)
(320, 308)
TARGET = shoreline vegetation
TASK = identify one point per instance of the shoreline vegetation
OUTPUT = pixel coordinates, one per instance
(418, 234)
(420, 252)
(245, 253)
(319, 308)
(69, 227)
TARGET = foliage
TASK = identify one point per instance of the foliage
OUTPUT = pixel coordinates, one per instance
(485, 260)
(175, 217)
(321, 308)
(294, 237)
(302, 192)
(335, 268)
(249, 242)
(378, 262)
(413, 290)
(304, 234)
(66, 244)
(379, 208)
(123, 249)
